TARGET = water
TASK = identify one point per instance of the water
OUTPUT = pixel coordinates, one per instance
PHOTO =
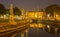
(39, 32)
(35, 32)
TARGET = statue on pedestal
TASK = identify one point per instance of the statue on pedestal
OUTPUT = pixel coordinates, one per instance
(11, 20)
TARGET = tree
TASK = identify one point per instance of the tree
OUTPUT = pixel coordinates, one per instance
(51, 9)
(2, 9)
(41, 10)
(16, 11)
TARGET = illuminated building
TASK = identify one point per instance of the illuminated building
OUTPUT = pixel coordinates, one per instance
(35, 14)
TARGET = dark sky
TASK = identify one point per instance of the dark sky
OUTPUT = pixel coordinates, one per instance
(29, 4)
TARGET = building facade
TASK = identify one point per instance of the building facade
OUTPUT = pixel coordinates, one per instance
(35, 14)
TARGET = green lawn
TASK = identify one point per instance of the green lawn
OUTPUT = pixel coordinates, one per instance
(4, 20)
(7, 20)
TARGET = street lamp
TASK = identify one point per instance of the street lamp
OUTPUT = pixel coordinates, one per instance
(35, 15)
(48, 16)
(56, 16)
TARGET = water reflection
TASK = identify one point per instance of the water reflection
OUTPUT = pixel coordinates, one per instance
(48, 28)
(41, 30)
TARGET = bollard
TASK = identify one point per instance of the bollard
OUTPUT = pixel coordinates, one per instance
(56, 29)
(26, 32)
(43, 27)
(48, 28)
(22, 34)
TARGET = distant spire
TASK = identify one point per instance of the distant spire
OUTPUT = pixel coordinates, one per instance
(37, 8)
(34, 9)
(22, 10)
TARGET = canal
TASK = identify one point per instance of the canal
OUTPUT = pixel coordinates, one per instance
(41, 30)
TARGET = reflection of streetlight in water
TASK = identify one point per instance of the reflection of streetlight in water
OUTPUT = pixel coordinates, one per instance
(36, 16)
(48, 28)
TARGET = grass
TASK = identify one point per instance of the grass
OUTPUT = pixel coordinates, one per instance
(4, 20)
(7, 20)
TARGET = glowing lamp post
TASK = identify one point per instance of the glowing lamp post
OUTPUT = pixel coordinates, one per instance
(48, 16)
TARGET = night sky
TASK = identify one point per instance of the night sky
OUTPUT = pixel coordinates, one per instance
(29, 4)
